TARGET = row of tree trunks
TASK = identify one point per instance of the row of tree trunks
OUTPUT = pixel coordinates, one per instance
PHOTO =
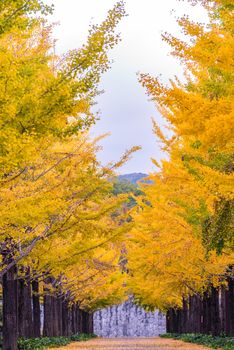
(211, 313)
(22, 311)
(64, 319)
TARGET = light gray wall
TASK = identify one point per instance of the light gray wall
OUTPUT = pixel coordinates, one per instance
(128, 320)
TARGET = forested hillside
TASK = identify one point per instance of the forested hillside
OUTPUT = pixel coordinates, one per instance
(133, 177)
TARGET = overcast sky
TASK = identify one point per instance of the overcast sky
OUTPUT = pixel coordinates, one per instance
(126, 111)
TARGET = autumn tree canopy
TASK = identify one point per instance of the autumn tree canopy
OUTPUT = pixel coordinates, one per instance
(56, 199)
(182, 241)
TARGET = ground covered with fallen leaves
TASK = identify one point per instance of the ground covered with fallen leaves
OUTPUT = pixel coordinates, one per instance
(133, 344)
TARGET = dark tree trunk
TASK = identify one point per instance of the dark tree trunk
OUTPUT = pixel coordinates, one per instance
(86, 322)
(36, 309)
(25, 321)
(60, 315)
(83, 321)
(200, 313)
(172, 321)
(168, 321)
(73, 317)
(48, 317)
(77, 319)
(231, 305)
(69, 321)
(207, 313)
(227, 308)
(55, 315)
(184, 316)
(65, 318)
(215, 320)
(80, 321)
(10, 309)
(90, 323)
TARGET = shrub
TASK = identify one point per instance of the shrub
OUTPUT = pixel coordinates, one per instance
(50, 342)
(82, 337)
(221, 342)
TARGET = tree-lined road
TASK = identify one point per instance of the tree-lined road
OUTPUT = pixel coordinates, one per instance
(133, 344)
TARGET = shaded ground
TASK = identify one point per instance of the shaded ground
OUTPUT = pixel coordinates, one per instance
(133, 344)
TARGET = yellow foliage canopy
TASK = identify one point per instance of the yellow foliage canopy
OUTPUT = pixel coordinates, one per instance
(183, 238)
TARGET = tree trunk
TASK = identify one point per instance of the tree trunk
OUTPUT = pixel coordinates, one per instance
(79, 320)
(48, 310)
(73, 323)
(90, 323)
(231, 305)
(48, 317)
(207, 313)
(25, 322)
(82, 330)
(199, 313)
(55, 312)
(10, 309)
(69, 321)
(65, 318)
(215, 319)
(169, 321)
(228, 308)
(36, 309)
(60, 315)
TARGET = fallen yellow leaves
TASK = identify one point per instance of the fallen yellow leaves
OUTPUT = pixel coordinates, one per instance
(133, 344)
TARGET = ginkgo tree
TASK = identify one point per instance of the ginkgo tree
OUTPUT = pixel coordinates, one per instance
(54, 194)
(39, 94)
(183, 239)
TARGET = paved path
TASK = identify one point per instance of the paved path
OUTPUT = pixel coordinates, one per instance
(133, 344)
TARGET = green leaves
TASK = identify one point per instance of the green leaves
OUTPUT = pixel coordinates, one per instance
(225, 343)
(51, 342)
(218, 230)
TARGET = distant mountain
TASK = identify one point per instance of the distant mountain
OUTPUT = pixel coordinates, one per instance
(133, 178)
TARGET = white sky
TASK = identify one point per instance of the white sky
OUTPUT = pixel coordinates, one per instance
(125, 109)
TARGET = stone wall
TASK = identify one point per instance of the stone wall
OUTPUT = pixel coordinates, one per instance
(128, 320)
